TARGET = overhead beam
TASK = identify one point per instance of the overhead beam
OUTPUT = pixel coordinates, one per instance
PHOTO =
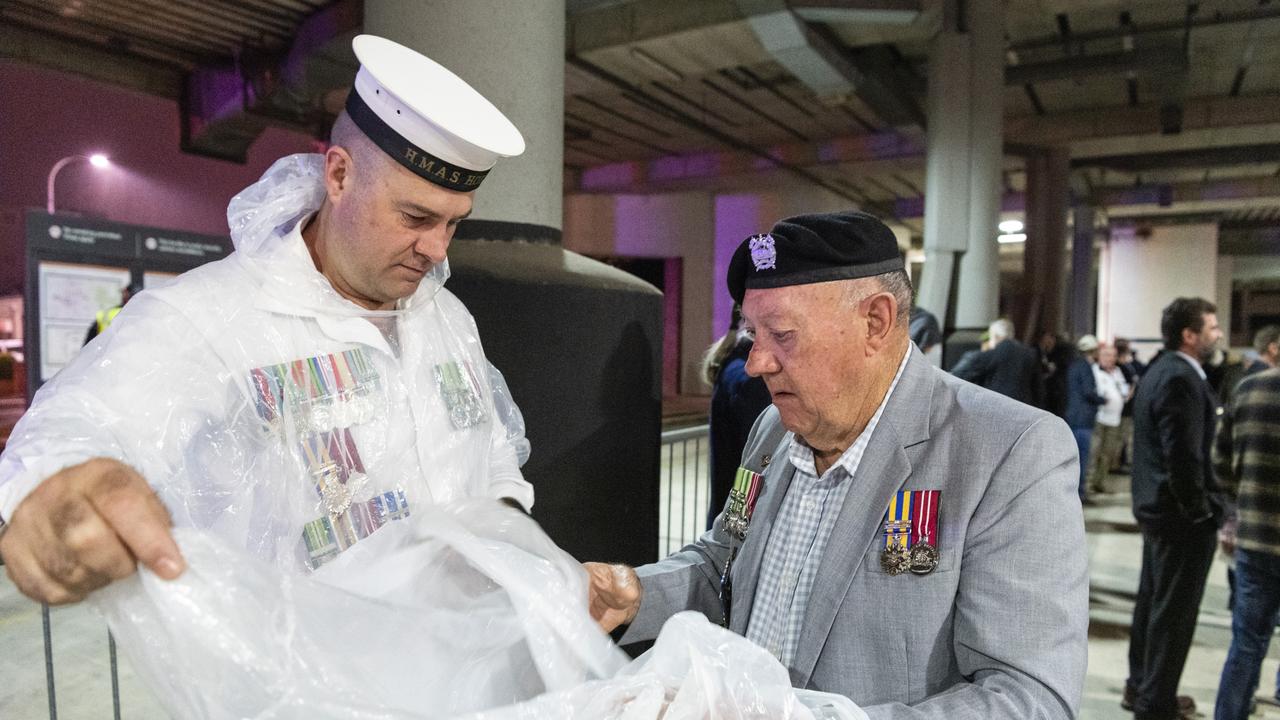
(876, 153)
(1223, 122)
(1095, 124)
(1156, 59)
(888, 12)
(1132, 30)
(635, 22)
(116, 68)
(1168, 195)
(1194, 158)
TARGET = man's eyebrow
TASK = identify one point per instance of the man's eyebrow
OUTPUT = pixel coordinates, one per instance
(415, 208)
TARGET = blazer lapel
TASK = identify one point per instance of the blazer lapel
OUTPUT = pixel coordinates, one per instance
(884, 469)
(777, 478)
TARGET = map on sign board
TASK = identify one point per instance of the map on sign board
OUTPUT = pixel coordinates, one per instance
(71, 294)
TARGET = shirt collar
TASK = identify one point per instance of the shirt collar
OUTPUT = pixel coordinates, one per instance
(801, 455)
(1194, 363)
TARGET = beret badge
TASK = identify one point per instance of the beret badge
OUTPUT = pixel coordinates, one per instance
(763, 254)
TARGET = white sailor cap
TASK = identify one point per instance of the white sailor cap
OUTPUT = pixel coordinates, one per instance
(425, 117)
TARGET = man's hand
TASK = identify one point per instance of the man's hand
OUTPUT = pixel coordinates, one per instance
(613, 594)
(1227, 537)
(84, 527)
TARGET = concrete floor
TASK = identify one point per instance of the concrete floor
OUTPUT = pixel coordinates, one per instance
(83, 685)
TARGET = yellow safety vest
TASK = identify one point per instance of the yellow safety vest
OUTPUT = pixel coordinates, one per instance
(105, 317)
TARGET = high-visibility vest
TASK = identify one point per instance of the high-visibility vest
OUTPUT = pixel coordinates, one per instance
(104, 318)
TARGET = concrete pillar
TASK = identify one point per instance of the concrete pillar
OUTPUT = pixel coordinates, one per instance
(978, 275)
(1045, 250)
(513, 54)
(1082, 289)
(962, 186)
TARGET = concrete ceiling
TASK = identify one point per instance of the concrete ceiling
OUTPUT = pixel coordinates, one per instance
(1167, 107)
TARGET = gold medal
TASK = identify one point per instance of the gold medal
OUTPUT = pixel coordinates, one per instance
(895, 561)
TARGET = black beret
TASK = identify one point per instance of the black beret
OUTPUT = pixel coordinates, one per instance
(814, 248)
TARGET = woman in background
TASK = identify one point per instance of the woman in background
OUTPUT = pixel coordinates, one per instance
(737, 399)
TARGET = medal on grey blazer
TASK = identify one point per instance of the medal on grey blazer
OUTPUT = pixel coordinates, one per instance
(924, 558)
(747, 486)
(742, 502)
(895, 561)
(910, 533)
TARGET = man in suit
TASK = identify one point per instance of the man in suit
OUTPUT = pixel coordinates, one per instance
(898, 536)
(1009, 367)
(1177, 505)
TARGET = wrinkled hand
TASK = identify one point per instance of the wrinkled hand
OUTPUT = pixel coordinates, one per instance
(613, 594)
(84, 527)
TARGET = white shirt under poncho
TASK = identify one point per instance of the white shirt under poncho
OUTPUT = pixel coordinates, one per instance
(263, 406)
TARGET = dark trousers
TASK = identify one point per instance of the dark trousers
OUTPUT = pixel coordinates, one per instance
(1175, 566)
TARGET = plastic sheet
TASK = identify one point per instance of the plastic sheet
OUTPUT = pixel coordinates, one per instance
(465, 608)
(695, 671)
(467, 611)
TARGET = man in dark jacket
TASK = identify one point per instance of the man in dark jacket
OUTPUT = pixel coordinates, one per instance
(1177, 505)
(1009, 367)
(1083, 400)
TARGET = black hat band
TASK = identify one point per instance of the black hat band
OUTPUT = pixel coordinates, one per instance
(419, 161)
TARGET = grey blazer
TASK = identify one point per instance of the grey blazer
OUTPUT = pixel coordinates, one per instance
(998, 630)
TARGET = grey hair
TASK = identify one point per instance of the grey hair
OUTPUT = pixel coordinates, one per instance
(1001, 329)
(895, 282)
(1266, 336)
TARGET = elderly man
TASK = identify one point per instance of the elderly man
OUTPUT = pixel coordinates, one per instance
(896, 535)
(1008, 367)
(1104, 447)
(302, 393)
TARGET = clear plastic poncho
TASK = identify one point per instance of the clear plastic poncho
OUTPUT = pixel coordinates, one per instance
(270, 411)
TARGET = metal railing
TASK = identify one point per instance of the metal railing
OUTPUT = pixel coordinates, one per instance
(684, 487)
(74, 640)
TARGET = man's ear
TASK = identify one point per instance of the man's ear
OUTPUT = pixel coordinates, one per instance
(338, 167)
(1188, 336)
(882, 309)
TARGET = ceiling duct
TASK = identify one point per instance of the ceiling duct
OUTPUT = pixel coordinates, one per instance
(815, 56)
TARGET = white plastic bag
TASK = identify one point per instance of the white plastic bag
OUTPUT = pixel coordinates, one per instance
(469, 606)
(695, 671)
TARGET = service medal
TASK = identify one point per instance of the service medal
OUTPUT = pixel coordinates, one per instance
(923, 558)
(895, 561)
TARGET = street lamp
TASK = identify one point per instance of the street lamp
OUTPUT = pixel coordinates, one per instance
(97, 160)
